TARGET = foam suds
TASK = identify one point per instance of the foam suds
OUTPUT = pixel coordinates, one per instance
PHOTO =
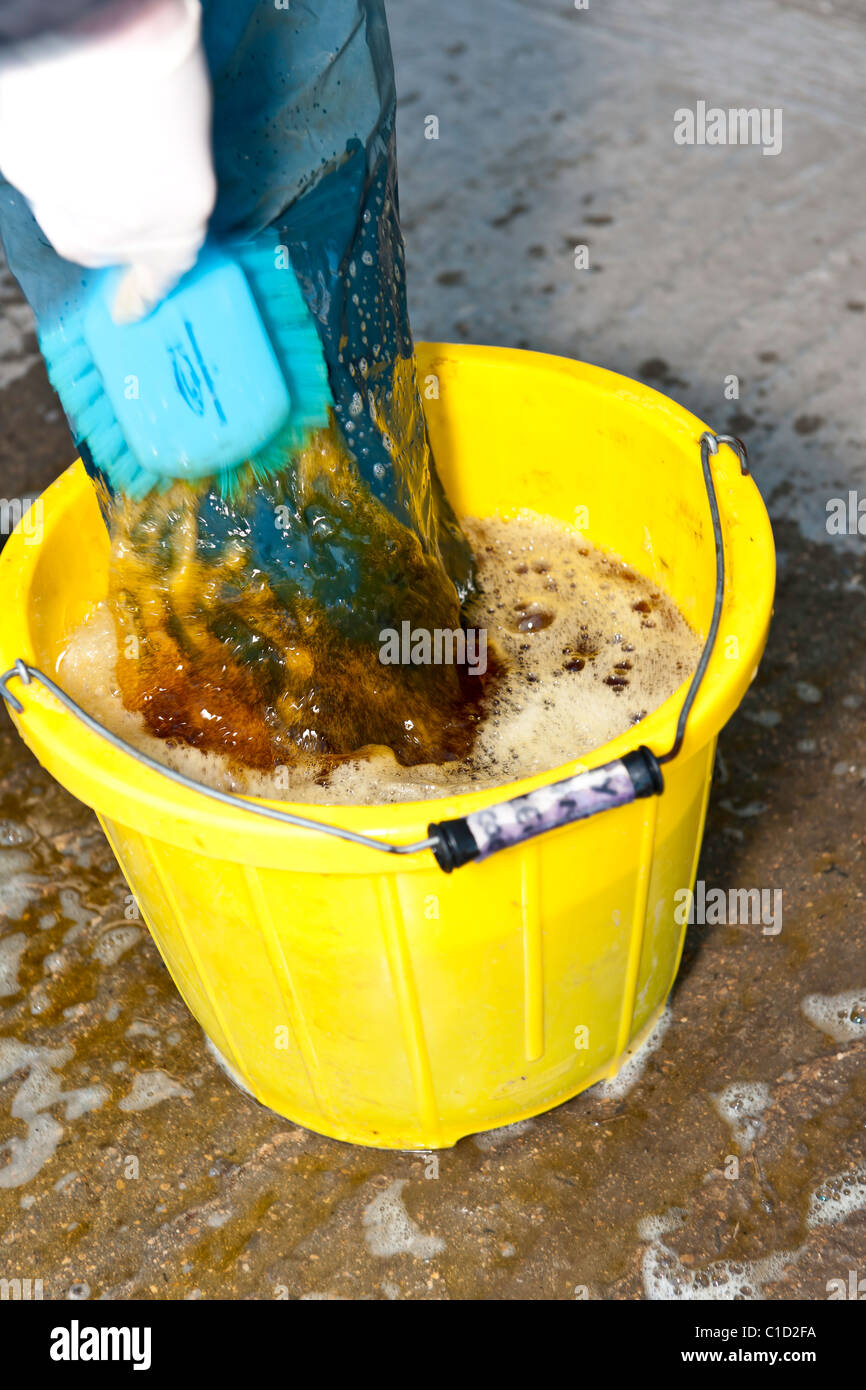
(19, 886)
(667, 1279)
(584, 645)
(226, 1066)
(150, 1088)
(742, 1105)
(41, 1090)
(12, 948)
(114, 943)
(841, 1016)
(632, 1069)
(390, 1230)
(494, 1138)
(838, 1198)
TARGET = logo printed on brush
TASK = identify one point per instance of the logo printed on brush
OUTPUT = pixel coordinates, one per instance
(440, 647)
(186, 379)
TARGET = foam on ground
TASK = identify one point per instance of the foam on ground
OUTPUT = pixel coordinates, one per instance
(40, 1092)
(666, 1279)
(841, 1016)
(632, 1069)
(588, 648)
(742, 1105)
(837, 1198)
(390, 1230)
(150, 1088)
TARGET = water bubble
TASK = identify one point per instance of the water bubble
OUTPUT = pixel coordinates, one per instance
(532, 617)
(12, 834)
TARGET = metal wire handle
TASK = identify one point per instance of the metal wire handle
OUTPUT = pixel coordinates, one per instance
(441, 838)
(709, 446)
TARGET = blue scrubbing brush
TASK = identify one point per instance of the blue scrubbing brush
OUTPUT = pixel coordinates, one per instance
(227, 371)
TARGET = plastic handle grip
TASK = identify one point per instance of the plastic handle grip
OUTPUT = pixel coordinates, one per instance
(483, 833)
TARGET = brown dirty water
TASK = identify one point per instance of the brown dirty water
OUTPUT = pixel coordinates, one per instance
(730, 1157)
(248, 626)
(559, 643)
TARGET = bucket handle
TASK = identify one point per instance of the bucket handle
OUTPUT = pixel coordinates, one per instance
(483, 833)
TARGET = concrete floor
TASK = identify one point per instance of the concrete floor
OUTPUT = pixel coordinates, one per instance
(555, 130)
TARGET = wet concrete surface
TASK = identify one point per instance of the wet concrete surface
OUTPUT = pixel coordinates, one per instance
(730, 1159)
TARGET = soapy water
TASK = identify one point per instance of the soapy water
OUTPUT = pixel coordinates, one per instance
(837, 1198)
(39, 1093)
(390, 1230)
(841, 1016)
(667, 1279)
(149, 1088)
(250, 628)
(632, 1069)
(742, 1105)
(579, 648)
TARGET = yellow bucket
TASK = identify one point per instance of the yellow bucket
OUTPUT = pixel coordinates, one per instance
(371, 996)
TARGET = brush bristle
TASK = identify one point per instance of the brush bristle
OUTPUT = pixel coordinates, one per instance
(79, 386)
